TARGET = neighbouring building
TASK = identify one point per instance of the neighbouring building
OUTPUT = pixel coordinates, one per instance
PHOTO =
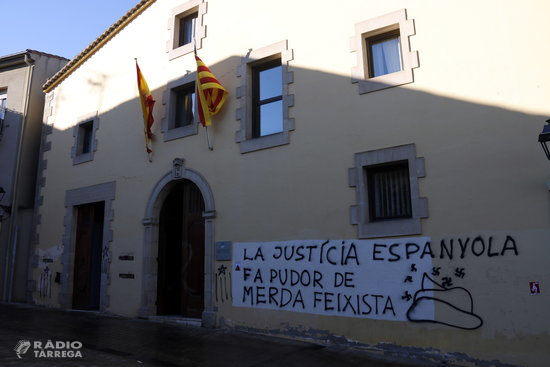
(21, 110)
(375, 175)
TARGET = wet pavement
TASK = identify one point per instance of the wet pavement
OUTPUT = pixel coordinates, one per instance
(117, 341)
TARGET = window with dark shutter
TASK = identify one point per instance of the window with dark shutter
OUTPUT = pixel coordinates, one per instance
(389, 191)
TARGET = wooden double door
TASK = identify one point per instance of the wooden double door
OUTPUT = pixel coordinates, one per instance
(180, 282)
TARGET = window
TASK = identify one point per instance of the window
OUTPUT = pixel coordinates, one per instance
(85, 143)
(384, 57)
(186, 28)
(3, 101)
(185, 106)
(387, 191)
(267, 99)
(384, 54)
(85, 132)
(264, 98)
(181, 119)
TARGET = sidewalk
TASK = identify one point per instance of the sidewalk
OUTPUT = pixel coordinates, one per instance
(117, 341)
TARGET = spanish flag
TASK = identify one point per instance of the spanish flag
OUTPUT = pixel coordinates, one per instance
(147, 104)
(211, 95)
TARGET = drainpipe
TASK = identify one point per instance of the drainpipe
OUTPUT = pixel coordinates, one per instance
(15, 240)
(8, 273)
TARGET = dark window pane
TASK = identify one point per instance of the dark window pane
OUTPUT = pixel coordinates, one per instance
(185, 105)
(85, 137)
(187, 29)
(389, 191)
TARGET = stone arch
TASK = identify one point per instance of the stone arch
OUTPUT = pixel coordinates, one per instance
(150, 242)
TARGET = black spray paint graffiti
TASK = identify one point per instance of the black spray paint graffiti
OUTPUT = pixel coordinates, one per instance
(307, 288)
(223, 284)
(341, 278)
(456, 303)
(45, 286)
(448, 249)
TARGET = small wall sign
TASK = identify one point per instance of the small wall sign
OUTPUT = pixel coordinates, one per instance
(534, 287)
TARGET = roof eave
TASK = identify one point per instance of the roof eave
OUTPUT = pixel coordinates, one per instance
(15, 59)
(96, 45)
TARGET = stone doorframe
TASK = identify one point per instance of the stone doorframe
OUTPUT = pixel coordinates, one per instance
(151, 235)
(86, 195)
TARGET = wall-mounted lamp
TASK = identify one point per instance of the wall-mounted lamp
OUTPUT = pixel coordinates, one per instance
(544, 138)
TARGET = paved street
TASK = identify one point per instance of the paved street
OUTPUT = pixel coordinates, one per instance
(116, 341)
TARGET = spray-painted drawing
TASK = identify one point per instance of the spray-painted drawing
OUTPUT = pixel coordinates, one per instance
(456, 304)
(45, 285)
(223, 282)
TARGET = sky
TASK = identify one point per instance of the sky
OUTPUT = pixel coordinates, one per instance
(59, 27)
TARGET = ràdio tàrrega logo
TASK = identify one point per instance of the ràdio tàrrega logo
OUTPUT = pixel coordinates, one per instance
(58, 349)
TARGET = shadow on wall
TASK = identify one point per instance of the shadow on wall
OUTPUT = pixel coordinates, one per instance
(460, 140)
(10, 127)
(477, 157)
(329, 116)
(15, 221)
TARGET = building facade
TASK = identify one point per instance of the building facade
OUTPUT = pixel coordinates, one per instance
(21, 109)
(374, 175)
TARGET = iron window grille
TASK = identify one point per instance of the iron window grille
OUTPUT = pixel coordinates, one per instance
(389, 191)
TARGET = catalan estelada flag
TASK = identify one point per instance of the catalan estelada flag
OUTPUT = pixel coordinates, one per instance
(147, 104)
(211, 95)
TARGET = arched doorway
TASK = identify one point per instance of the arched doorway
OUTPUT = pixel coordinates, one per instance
(151, 226)
(180, 281)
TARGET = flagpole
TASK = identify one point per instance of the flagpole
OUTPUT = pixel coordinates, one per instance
(146, 135)
(208, 139)
(210, 147)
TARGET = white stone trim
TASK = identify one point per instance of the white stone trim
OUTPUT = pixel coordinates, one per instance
(359, 214)
(86, 157)
(244, 95)
(198, 6)
(150, 240)
(85, 195)
(376, 26)
(168, 100)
